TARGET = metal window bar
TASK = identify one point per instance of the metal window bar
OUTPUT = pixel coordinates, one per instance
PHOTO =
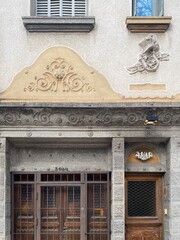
(49, 197)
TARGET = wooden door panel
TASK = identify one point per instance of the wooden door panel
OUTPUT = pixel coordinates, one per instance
(145, 233)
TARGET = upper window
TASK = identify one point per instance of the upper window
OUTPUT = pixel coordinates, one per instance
(59, 16)
(61, 8)
(147, 8)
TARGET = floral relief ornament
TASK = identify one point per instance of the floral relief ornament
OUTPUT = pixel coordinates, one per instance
(60, 72)
(150, 58)
(144, 155)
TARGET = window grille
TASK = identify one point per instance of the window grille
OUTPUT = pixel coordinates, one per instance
(141, 198)
(23, 206)
(61, 177)
(97, 207)
(49, 197)
(61, 8)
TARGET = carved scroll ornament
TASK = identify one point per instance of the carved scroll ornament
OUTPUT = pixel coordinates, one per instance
(144, 155)
(60, 73)
(150, 58)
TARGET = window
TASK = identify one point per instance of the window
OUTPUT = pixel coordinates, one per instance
(60, 206)
(148, 17)
(61, 8)
(59, 16)
(148, 8)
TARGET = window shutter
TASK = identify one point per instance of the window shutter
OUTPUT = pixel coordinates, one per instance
(80, 7)
(42, 8)
(61, 8)
(55, 8)
(67, 7)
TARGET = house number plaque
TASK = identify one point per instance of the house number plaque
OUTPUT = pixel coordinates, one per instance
(61, 169)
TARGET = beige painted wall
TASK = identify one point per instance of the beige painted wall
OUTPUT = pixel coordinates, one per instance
(109, 48)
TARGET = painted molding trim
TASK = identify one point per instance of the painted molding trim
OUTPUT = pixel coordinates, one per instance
(147, 87)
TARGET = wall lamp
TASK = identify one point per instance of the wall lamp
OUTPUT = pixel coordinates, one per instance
(151, 118)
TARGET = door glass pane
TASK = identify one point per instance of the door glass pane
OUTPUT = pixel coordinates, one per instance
(97, 211)
(143, 7)
(60, 213)
(23, 212)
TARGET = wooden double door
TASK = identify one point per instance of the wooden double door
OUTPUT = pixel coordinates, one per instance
(61, 206)
(144, 207)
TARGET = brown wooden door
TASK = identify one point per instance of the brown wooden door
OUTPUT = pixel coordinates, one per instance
(144, 207)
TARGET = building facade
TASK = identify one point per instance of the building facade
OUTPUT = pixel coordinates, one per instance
(89, 120)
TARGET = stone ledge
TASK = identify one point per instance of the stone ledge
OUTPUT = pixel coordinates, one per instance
(59, 24)
(148, 24)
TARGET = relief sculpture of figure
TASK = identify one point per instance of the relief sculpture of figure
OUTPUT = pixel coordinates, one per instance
(150, 58)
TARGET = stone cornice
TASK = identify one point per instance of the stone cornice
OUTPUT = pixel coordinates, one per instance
(85, 116)
(148, 24)
(90, 105)
(59, 24)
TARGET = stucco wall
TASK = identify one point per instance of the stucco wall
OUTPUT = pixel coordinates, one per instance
(109, 48)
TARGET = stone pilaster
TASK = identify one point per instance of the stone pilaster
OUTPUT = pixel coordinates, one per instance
(174, 191)
(2, 187)
(117, 221)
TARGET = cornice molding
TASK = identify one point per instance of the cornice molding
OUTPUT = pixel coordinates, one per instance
(59, 24)
(148, 24)
(85, 117)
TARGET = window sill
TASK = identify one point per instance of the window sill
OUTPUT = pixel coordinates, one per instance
(148, 24)
(58, 24)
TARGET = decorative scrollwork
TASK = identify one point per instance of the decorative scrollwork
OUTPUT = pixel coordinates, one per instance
(132, 118)
(60, 72)
(11, 118)
(58, 116)
(143, 234)
(42, 118)
(104, 118)
(168, 118)
(75, 119)
(150, 58)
